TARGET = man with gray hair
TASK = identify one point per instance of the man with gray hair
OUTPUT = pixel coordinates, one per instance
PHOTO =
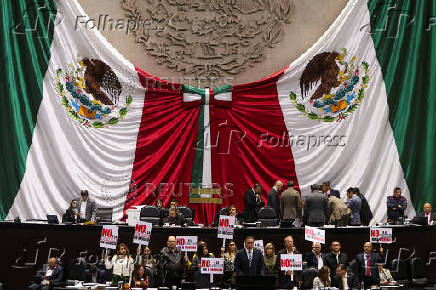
(315, 259)
(273, 197)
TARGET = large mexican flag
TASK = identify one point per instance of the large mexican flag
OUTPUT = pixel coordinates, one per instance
(355, 109)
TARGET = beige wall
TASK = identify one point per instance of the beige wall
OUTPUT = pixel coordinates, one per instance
(309, 21)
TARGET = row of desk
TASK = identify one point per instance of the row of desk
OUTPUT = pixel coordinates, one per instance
(26, 246)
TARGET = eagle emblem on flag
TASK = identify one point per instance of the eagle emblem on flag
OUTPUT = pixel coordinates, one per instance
(332, 86)
(91, 93)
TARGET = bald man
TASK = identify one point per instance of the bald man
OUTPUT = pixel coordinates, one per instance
(173, 264)
(367, 265)
(52, 278)
(273, 197)
(431, 217)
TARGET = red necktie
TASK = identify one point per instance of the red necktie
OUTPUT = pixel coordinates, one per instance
(368, 263)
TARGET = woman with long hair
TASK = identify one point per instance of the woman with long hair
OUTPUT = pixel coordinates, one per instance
(323, 279)
(229, 261)
(146, 258)
(140, 278)
(122, 265)
(71, 215)
(201, 280)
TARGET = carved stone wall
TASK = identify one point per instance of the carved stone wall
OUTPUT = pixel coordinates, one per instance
(207, 43)
(208, 38)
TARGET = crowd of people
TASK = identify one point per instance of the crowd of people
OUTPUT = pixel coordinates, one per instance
(170, 266)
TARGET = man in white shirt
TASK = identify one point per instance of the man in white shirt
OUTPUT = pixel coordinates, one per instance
(86, 207)
(54, 276)
(315, 259)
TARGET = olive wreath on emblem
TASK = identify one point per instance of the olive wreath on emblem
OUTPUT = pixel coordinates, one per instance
(337, 107)
(91, 97)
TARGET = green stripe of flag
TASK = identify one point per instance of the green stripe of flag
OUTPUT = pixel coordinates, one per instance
(405, 49)
(26, 36)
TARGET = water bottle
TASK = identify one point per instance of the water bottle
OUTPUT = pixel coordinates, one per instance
(362, 285)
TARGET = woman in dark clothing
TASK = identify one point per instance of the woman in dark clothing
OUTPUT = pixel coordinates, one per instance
(201, 280)
(140, 278)
(365, 210)
(71, 214)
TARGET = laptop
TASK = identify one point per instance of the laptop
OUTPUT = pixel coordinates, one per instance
(52, 219)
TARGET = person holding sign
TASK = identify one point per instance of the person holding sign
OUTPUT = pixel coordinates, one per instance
(146, 258)
(249, 260)
(229, 262)
(201, 280)
(367, 265)
(122, 265)
(287, 279)
(172, 263)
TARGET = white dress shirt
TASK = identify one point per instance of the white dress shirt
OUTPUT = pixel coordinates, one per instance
(83, 209)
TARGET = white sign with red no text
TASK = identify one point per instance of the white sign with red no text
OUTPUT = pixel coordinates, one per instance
(109, 237)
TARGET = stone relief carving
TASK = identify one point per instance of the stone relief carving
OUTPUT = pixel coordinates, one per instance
(208, 38)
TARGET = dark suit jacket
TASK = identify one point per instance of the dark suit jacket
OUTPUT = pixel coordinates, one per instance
(316, 208)
(242, 267)
(365, 211)
(273, 201)
(90, 208)
(285, 280)
(312, 261)
(334, 192)
(432, 216)
(250, 206)
(56, 278)
(330, 261)
(352, 281)
(374, 259)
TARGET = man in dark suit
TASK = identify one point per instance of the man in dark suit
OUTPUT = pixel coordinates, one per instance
(367, 265)
(316, 208)
(315, 259)
(249, 260)
(335, 258)
(54, 277)
(250, 203)
(287, 279)
(430, 217)
(327, 191)
(290, 203)
(273, 197)
(344, 279)
(86, 207)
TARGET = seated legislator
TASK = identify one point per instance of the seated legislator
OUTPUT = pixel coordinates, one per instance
(174, 219)
(427, 214)
(323, 280)
(396, 205)
(344, 279)
(140, 278)
(233, 211)
(93, 275)
(71, 215)
(249, 260)
(385, 276)
(54, 277)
